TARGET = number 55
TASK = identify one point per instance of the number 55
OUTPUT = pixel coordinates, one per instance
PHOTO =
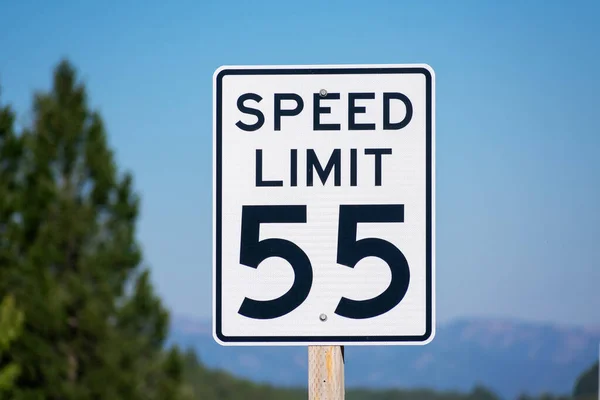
(350, 252)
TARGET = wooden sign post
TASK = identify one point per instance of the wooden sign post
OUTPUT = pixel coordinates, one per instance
(326, 373)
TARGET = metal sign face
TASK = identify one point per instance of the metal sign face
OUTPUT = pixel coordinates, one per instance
(324, 205)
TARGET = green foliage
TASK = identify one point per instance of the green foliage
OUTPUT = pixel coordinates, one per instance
(206, 384)
(95, 328)
(544, 396)
(11, 324)
(587, 383)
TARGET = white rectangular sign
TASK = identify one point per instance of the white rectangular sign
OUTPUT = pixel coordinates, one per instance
(324, 205)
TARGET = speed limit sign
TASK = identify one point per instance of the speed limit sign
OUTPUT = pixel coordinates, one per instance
(324, 205)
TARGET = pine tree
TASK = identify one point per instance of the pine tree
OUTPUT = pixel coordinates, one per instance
(94, 327)
(11, 323)
(587, 383)
(10, 154)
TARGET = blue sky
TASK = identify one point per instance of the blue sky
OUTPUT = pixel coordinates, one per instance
(518, 172)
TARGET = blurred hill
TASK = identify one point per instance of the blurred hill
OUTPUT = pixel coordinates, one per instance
(509, 357)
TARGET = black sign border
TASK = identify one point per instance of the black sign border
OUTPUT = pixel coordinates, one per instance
(217, 318)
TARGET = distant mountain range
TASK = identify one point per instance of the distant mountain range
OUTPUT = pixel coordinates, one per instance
(507, 356)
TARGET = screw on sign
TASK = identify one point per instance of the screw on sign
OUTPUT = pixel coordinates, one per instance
(324, 207)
